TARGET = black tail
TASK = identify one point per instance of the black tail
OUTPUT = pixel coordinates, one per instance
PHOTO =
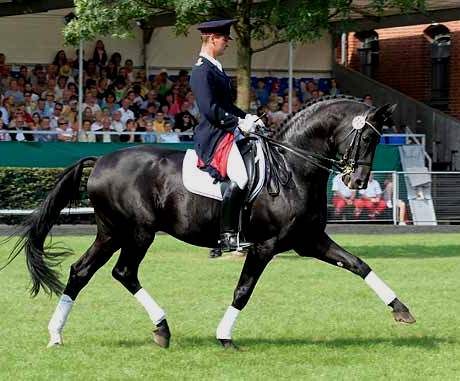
(40, 259)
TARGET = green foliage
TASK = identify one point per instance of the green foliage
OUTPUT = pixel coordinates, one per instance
(270, 21)
(26, 188)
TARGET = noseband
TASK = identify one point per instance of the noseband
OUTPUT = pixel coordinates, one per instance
(350, 159)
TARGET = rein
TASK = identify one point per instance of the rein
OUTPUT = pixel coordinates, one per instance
(277, 169)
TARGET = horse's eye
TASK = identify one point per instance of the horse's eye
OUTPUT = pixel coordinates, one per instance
(366, 138)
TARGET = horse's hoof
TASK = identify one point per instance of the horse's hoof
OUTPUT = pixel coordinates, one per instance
(228, 344)
(162, 335)
(404, 317)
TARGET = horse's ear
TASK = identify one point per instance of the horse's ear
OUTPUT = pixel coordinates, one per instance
(385, 112)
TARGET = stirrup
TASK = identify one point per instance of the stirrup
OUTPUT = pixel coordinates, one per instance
(231, 242)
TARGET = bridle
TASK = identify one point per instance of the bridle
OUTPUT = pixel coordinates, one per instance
(350, 159)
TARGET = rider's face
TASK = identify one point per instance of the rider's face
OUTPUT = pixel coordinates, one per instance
(220, 44)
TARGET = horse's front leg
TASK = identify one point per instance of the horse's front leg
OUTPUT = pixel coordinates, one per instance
(325, 249)
(254, 265)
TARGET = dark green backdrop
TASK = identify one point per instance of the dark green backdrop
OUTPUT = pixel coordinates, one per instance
(56, 155)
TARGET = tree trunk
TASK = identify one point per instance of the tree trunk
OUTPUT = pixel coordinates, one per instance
(243, 73)
(243, 53)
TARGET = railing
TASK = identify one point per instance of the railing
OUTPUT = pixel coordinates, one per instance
(394, 207)
(168, 136)
(443, 190)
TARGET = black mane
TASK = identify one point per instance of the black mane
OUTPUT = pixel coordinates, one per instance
(307, 109)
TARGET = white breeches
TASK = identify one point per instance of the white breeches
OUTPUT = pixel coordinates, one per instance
(236, 170)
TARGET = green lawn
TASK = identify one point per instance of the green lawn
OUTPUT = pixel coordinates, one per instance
(306, 321)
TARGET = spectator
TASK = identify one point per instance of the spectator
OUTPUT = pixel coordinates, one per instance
(109, 103)
(149, 114)
(99, 54)
(150, 136)
(5, 116)
(368, 99)
(90, 71)
(106, 130)
(334, 90)
(119, 88)
(57, 113)
(49, 103)
(60, 59)
(35, 125)
(280, 116)
(90, 102)
(102, 88)
(29, 105)
(28, 88)
(342, 196)
(45, 126)
(111, 71)
(117, 124)
(14, 91)
(97, 124)
(262, 92)
(116, 59)
(370, 199)
(194, 106)
(41, 109)
(39, 81)
(126, 112)
(88, 114)
(60, 87)
(51, 72)
(85, 135)
(152, 97)
(131, 127)
(64, 130)
(129, 67)
(24, 73)
(388, 197)
(4, 137)
(161, 84)
(159, 124)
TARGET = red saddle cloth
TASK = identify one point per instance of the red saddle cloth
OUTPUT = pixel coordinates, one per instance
(220, 157)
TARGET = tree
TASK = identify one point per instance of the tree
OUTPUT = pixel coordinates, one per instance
(269, 21)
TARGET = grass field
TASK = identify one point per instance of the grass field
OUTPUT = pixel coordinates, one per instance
(306, 320)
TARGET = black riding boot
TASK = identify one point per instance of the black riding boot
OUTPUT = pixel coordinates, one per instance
(230, 218)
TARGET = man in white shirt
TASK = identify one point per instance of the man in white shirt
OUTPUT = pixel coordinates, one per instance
(342, 196)
(126, 113)
(370, 199)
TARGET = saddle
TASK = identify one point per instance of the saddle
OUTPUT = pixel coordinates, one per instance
(200, 182)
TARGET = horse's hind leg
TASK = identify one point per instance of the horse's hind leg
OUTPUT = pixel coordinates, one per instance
(329, 251)
(126, 272)
(80, 274)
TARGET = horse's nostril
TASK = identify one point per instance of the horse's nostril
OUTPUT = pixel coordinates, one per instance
(359, 183)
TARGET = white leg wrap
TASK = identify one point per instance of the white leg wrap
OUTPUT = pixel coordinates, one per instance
(380, 288)
(59, 318)
(225, 327)
(155, 312)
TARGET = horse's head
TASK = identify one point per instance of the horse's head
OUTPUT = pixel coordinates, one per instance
(359, 134)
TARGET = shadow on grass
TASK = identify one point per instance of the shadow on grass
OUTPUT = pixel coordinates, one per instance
(425, 342)
(408, 251)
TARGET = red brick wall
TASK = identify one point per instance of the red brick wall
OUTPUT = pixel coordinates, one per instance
(405, 61)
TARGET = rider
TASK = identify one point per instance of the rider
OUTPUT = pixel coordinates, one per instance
(219, 128)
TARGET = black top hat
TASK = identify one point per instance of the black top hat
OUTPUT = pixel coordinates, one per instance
(216, 27)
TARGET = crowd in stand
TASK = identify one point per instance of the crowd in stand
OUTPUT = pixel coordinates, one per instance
(118, 101)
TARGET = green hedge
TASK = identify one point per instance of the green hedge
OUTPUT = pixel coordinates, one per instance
(26, 188)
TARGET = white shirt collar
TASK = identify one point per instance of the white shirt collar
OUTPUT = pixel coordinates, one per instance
(212, 60)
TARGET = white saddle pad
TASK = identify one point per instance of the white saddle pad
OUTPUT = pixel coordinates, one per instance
(200, 182)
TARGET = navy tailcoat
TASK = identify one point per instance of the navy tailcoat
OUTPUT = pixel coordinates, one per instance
(218, 114)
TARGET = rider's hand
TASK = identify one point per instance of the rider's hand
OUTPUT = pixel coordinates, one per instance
(246, 126)
(257, 120)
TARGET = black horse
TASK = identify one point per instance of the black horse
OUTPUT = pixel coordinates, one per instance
(138, 191)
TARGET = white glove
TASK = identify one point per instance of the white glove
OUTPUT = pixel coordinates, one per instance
(256, 120)
(249, 123)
